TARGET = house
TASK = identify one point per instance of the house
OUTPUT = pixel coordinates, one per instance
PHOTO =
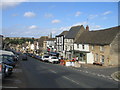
(71, 36)
(100, 46)
(41, 42)
(60, 43)
(51, 44)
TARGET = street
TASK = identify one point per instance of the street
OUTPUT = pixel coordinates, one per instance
(36, 74)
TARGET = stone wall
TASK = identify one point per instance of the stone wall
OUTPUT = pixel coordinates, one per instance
(115, 51)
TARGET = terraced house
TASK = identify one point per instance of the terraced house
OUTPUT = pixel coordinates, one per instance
(100, 46)
(60, 43)
(71, 36)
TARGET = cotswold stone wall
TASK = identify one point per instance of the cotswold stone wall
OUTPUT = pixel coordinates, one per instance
(115, 51)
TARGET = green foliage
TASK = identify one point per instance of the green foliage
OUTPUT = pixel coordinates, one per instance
(18, 41)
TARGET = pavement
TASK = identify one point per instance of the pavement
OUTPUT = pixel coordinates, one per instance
(101, 71)
(36, 74)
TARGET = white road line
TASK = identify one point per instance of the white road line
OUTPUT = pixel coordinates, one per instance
(14, 81)
(86, 71)
(8, 87)
(17, 70)
(70, 80)
(53, 71)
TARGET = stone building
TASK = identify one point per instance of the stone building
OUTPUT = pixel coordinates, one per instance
(103, 45)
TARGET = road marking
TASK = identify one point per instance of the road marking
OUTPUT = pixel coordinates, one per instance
(17, 70)
(53, 71)
(14, 81)
(8, 87)
(86, 71)
(70, 80)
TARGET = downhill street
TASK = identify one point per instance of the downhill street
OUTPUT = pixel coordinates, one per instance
(36, 74)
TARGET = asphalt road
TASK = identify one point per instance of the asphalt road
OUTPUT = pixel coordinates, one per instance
(36, 74)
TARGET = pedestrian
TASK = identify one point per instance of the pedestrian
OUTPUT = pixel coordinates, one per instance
(77, 58)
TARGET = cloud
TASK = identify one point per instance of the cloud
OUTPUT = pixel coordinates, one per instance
(29, 14)
(48, 15)
(56, 21)
(92, 16)
(10, 3)
(32, 27)
(107, 12)
(92, 27)
(80, 23)
(104, 18)
(78, 14)
(14, 15)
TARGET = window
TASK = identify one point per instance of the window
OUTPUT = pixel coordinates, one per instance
(92, 47)
(96, 58)
(77, 45)
(83, 46)
(65, 47)
(70, 47)
(102, 59)
(101, 48)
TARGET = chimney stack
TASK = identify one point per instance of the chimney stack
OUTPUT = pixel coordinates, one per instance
(87, 28)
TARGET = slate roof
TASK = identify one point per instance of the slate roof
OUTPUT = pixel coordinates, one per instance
(63, 33)
(100, 37)
(73, 32)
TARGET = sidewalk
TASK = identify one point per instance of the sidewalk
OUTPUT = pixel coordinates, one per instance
(98, 69)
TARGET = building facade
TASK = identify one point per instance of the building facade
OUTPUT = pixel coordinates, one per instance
(71, 36)
(102, 46)
(60, 43)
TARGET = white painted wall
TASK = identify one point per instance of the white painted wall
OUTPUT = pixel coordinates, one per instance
(90, 58)
(32, 47)
(86, 47)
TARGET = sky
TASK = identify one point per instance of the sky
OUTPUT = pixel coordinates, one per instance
(36, 19)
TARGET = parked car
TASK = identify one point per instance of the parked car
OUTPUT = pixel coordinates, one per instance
(8, 59)
(53, 59)
(38, 57)
(54, 54)
(5, 70)
(45, 58)
(24, 57)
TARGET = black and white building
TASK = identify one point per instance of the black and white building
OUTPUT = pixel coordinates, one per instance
(60, 42)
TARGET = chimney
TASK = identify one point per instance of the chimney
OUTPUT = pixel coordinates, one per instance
(87, 28)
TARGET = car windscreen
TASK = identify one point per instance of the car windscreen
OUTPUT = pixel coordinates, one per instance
(54, 57)
(7, 58)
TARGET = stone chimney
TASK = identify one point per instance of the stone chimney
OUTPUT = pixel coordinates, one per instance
(87, 28)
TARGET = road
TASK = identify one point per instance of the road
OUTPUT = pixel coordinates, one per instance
(36, 74)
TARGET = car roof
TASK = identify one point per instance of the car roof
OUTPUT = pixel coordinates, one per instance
(6, 52)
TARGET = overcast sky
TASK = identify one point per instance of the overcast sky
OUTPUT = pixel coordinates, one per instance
(35, 19)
